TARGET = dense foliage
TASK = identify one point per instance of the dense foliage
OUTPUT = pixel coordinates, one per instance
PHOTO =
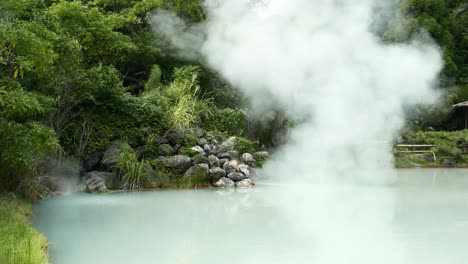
(77, 75)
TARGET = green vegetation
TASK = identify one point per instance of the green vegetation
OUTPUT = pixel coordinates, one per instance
(132, 171)
(19, 242)
(450, 149)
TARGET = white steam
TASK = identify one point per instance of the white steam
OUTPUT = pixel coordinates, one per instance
(318, 60)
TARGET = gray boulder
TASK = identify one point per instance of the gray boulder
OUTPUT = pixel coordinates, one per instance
(198, 173)
(448, 163)
(200, 159)
(222, 161)
(174, 136)
(177, 162)
(225, 183)
(248, 158)
(198, 149)
(236, 176)
(217, 173)
(234, 154)
(91, 163)
(213, 161)
(230, 143)
(224, 155)
(246, 183)
(95, 181)
(111, 155)
(151, 176)
(166, 150)
(207, 148)
(160, 141)
(245, 169)
(202, 141)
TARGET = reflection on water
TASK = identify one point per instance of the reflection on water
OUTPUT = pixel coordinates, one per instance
(423, 218)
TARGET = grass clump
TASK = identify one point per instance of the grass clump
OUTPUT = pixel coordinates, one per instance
(19, 241)
(132, 171)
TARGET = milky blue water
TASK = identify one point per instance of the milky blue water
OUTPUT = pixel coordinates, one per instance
(421, 219)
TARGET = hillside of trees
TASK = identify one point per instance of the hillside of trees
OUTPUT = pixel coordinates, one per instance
(77, 75)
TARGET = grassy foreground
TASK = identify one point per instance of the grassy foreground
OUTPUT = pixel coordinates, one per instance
(20, 243)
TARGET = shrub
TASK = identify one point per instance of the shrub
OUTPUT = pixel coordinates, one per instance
(227, 120)
(244, 145)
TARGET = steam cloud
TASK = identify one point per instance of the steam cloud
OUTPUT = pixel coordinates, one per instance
(319, 61)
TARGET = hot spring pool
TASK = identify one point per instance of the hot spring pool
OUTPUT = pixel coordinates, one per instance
(423, 218)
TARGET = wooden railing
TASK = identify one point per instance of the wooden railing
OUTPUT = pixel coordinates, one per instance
(414, 148)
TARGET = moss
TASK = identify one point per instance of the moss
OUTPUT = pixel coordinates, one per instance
(19, 242)
(189, 140)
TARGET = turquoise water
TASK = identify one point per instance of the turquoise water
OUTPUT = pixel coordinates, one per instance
(422, 218)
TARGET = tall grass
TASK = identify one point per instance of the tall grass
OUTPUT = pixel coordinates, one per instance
(20, 243)
(131, 170)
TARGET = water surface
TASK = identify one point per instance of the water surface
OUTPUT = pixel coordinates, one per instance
(422, 218)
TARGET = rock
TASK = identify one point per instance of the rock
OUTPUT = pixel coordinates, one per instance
(426, 157)
(202, 142)
(111, 155)
(95, 181)
(234, 154)
(216, 173)
(174, 136)
(222, 161)
(177, 162)
(198, 173)
(263, 154)
(448, 163)
(199, 132)
(248, 158)
(53, 183)
(207, 148)
(225, 183)
(230, 143)
(230, 167)
(245, 169)
(234, 164)
(246, 183)
(148, 170)
(224, 155)
(200, 159)
(198, 149)
(160, 141)
(91, 163)
(236, 176)
(166, 150)
(216, 149)
(213, 161)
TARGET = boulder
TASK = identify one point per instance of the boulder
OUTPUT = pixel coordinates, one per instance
(202, 142)
(91, 163)
(224, 155)
(261, 154)
(207, 148)
(95, 181)
(166, 150)
(199, 132)
(216, 173)
(236, 176)
(234, 164)
(198, 149)
(448, 163)
(174, 136)
(198, 173)
(53, 183)
(246, 183)
(222, 161)
(228, 168)
(230, 143)
(213, 161)
(225, 183)
(149, 172)
(198, 159)
(245, 169)
(111, 155)
(178, 162)
(160, 141)
(248, 158)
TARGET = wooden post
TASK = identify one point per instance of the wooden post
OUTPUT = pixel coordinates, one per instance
(466, 117)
